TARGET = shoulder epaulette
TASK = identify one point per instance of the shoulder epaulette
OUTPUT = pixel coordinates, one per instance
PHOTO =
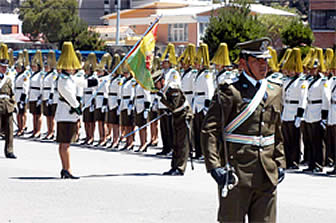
(229, 81)
(64, 76)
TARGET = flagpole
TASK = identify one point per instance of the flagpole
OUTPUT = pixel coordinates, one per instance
(121, 62)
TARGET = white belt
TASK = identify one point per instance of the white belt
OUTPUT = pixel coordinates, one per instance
(4, 96)
(250, 140)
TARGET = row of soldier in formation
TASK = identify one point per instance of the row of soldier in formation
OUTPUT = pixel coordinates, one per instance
(308, 98)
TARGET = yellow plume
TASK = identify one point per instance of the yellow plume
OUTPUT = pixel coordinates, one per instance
(273, 62)
(11, 57)
(284, 57)
(328, 56)
(294, 61)
(51, 59)
(171, 51)
(116, 61)
(91, 62)
(26, 57)
(68, 59)
(222, 55)
(202, 56)
(333, 62)
(308, 57)
(37, 59)
(4, 52)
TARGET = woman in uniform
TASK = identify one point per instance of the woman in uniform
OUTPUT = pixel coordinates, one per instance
(114, 100)
(21, 83)
(35, 94)
(126, 106)
(68, 110)
(88, 116)
(49, 103)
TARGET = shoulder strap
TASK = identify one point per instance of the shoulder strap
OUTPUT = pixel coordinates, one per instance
(311, 84)
(291, 82)
(248, 111)
(334, 88)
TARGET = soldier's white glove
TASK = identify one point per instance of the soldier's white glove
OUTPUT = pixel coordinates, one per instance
(205, 110)
(21, 105)
(297, 122)
(118, 110)
(129, 108)
(49, 101)
(104, 109)
(92, 108)
(146, 114)
(39, 102)
(323, 123)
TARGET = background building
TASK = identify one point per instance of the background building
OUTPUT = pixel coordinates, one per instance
(322, 19)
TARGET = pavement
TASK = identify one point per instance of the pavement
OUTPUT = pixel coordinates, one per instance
(123, 187)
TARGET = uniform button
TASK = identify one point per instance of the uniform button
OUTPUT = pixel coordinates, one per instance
(263, 110)
(231, 157)
(262, 123)
(260, 150)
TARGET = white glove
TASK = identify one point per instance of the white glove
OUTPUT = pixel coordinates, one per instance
(145, 114)
(39, 102)
(129, 109)
(104, 109)
(21, 105)
(297, 122)
(205, 110)
(49, 101)
(118, 110)
(92, 108)
(323, 123)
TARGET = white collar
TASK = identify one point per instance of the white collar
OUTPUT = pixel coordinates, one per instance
(251, 79)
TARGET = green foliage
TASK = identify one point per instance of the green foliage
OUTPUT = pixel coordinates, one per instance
(296, 34)
(233, 25)
(57, 21)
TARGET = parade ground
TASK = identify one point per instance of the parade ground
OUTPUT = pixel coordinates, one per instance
(124, 187)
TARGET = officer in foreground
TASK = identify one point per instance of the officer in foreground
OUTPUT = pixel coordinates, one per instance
(171, 95)
(242, 141)
(7, 103)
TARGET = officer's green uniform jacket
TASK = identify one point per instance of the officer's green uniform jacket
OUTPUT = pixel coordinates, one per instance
(7, 105)
(254, 165)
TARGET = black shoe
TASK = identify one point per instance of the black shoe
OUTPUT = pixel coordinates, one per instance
(293, 167)
(173, 172)
(10, 156)
(66, 175)
(143, 149)
(332, 172)
(317, 170)
(153, 144)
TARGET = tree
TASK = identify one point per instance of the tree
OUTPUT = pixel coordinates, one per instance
(233, 25)
(56, 22)
(297, 34)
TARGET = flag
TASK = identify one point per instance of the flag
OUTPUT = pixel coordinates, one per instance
(140, 60)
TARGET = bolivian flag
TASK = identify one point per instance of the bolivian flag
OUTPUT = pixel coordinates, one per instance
(140, 60)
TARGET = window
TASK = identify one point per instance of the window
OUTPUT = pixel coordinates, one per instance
(178, 32)
(202, 29)
(323, 19)
(6, 29)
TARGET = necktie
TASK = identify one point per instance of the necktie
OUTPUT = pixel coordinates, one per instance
(257, 85)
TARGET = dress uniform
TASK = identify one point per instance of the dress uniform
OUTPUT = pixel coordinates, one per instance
(127, 106)
(294, 93)
(101, 108)
(7, 103)
(252, 150)
(21, 87)
(88, 114)
(68, 110)
(332, 113)
(171, 75)
(172, 96)
(189, 74)
(141, 111)
(35, 93)
(203, 92)
(316, 114)
(114, 100)
(48, 92)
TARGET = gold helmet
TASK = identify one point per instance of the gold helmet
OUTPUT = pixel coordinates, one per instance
(115, 62)
(51, 59)
(202, 56)
(91, 62)
(284, 57)
(20, 60)
(333, 63)
(308, 57)
(37, 59)
(273, 62)
(106, 61)
(26, 57)
(328, 56)
(4, 57)
(68, 59)
(317, 60)
(169, 54)
(294, 61)
(222, 56)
